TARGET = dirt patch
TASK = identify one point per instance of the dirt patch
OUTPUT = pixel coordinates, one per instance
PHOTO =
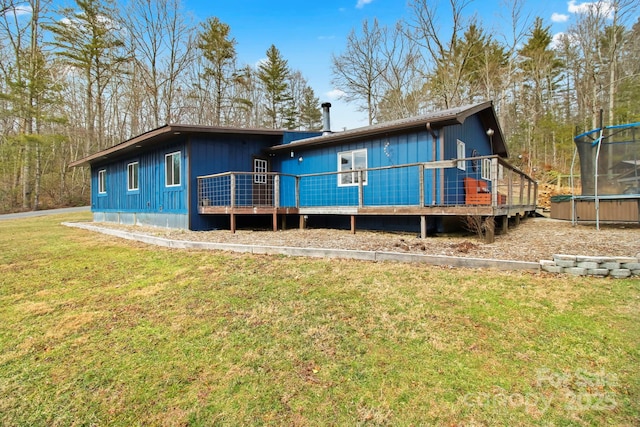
(533, 240)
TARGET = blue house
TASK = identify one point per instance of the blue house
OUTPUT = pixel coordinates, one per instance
(403, 174)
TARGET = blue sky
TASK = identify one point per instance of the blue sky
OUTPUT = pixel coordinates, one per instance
(307, 33)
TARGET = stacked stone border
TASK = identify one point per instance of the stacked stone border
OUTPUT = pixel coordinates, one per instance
(580, 265)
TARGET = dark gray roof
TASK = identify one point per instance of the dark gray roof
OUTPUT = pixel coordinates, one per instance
(434, 120)
(166, 132)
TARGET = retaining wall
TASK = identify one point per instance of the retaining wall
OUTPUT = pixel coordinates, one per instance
(578, 265)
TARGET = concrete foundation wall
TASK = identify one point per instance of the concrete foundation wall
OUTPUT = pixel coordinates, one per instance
(150, 219)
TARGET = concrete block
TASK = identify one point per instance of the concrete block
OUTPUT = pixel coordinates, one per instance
(598, 272)
(635, 272)
(553, 269)
(547, 262)
(588, 264)
(564, 257)
(576, 271)
(631, 265)
(596, 259)
(620, 273)
(625, 259)
(610, 265)
(565, 263)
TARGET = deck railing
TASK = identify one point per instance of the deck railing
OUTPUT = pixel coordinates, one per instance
(439, 183)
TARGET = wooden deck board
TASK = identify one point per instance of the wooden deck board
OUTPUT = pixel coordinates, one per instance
(458, 210)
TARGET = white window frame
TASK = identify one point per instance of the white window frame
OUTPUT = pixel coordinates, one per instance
(260, 168)
(460, 152)
(102, 181)
(133, 176)
(485, 172)
(351, 179)
(171, 178)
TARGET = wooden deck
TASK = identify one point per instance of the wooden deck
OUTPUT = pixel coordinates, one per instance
(511, 196)
(278, 214)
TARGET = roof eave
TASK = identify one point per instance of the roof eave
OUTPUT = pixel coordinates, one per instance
(163, 132)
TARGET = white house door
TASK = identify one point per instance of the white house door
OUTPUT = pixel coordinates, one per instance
(262, 183)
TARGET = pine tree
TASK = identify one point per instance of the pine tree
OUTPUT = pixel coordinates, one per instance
(273, 73)
(310, 115)
(218, 49)
(87, 41)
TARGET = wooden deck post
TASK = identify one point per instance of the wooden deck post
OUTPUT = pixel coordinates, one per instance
(303, 222)
(233, 223)
(360, 189)
(423, 226)
(421, 184)
(494, 181)
(353, 224)
(504, 227)
(490, 233)
(275, 220)
(233, 192)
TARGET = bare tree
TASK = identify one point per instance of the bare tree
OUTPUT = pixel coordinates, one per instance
(359, 69)
(402, 84)
(445, 60)
(161, 43)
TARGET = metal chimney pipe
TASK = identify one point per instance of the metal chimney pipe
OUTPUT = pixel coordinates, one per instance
(326, 118)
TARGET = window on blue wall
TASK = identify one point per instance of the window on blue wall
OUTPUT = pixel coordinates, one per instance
(260, 167)
(172, 169)
(486, 169)
(462, 164)
(352, 161)
(132, 176)
(102, 181)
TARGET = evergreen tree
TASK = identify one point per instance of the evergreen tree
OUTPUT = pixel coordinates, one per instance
(218, 49)
(273, 73)
(310, 114)
(87, 40)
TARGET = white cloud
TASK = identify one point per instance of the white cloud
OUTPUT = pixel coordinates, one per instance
(556, 42)
(604, 7)
(335, 94)
(19, 10)
(362, 3)
(559, 17)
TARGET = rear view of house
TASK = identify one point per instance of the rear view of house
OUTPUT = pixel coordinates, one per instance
(403, 174)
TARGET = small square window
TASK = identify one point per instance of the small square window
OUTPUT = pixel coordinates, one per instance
(354, 161)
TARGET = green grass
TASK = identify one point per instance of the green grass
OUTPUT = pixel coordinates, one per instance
(100, 331)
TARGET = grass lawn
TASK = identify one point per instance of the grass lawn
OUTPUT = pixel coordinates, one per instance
(100, 331)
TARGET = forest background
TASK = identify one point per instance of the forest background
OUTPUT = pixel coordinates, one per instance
(78, 79)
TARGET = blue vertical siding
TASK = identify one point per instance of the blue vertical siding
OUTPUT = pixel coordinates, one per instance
(152, 194)
(217, 154)
(474, 135)
(383, 151)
